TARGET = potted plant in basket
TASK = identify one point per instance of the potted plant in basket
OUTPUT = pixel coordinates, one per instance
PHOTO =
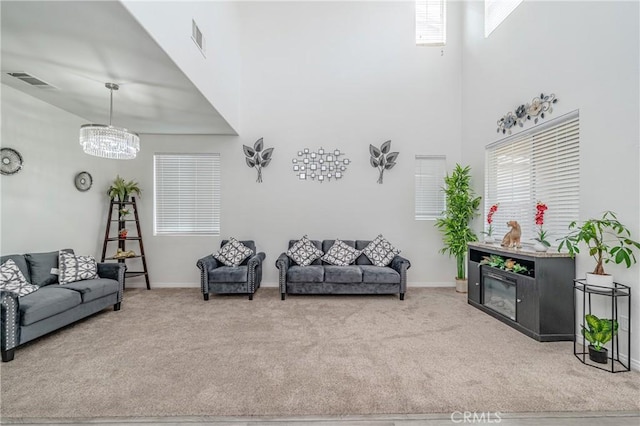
(607, 239)
(122, 189)
(461, 207)
(598, 332)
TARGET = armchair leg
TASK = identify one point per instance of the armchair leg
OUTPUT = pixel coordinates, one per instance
(8, 355)
(116, 307)
(206, 296)
(401, 296)
(250, 296)
(282, 296)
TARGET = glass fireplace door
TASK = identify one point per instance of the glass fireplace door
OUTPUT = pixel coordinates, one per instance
(499, 294)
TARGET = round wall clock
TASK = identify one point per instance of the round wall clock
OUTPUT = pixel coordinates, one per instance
(10, 161)
(83, 181)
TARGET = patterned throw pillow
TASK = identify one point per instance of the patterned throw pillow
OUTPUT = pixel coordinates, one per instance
(233, 253)
(12, 280)
(341, 254)
(303, 252)
(74, 268)
(380, 251)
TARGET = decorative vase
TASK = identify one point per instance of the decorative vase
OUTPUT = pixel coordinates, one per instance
(600, 280)
(599, 356)
(489, 239)
(461, 285)
(539, 247)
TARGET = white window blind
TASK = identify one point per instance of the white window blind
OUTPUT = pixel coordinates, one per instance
(496, 11)
(431, 22)
(429, 180)
(542, 164)
(186, 194)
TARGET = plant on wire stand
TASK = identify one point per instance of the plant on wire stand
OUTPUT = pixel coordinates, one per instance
(598, 332)
(461, 206)
(607, 239)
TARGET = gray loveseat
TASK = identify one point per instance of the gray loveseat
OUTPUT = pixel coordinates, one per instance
(53, 306)
(359, 278)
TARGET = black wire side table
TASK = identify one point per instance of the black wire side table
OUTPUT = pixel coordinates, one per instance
(614, 364)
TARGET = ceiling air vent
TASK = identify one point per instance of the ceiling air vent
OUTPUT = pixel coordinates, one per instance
(31, 80)
(197, 37)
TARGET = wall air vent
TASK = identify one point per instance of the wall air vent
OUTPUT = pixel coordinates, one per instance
(31, 80)
(197, 37)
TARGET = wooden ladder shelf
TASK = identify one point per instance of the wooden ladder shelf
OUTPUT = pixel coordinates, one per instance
(121, 220)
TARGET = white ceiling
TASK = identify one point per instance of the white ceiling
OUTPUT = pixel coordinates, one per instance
(79, 46)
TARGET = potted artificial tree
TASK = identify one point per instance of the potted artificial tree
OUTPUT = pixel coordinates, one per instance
(122, 189)
(607, 239)
(598, 332)
(461, 206)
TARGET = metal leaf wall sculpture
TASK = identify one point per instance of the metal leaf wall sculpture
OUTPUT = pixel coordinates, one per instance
(257, 157)
(382, 159)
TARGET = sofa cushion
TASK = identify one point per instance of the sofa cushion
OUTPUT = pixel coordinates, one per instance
(380, 251)
(379, 274)
(306, 274)
(342, 274)
(13, 280)
(304, 252)
(41, 265)
(76, 268)
(228, 274)
(94, 289)
(340, 253)
(233, 253)
(46, 302)
(362, 259)
(20, 262)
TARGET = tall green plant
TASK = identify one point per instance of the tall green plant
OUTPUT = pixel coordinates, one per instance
(461, 206)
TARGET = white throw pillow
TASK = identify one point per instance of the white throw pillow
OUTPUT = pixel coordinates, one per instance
(74, 268)
(341, 254)
(12, 279)
(233, 253)
(380, 251)
(303, 252)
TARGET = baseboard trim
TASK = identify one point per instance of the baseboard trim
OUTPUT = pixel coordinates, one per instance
(276, 285)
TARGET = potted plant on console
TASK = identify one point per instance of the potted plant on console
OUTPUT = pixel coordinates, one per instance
(598, 332)
(461, 207)
(607, 239)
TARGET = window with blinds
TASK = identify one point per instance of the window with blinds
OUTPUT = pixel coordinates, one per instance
(186, 194)
(429, 179)
(431, 22)
(496, 11)
(542, 164)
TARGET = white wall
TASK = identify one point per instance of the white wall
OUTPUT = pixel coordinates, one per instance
(41, 208)
(337, 75)
(587, 53)
(217, 75)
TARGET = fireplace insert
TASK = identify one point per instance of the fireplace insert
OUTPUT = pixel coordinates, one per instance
(499, 293)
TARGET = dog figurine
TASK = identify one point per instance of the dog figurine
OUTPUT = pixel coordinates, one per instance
(512, 238)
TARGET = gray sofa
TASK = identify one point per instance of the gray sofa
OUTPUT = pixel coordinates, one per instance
(359, 278)
(53, 306)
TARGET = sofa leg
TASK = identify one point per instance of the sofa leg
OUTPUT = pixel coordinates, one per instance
(8, 355)
(206, 296)
(282, 296)
(250, 296)
(401, 296)
(116, 307)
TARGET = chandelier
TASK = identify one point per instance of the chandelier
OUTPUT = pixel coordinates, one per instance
(109, 141)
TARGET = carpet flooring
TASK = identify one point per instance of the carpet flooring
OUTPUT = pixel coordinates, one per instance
(169, 353)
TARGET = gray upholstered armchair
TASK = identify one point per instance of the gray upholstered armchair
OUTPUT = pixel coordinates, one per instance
(215, 277)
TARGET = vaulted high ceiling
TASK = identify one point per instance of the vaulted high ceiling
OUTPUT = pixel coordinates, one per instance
(77, 47)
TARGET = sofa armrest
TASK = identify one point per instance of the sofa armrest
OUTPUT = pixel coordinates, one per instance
(205, 265)
(9, 320)
(400, 265)
(254, 266)
(282, 263)
(114, 271)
